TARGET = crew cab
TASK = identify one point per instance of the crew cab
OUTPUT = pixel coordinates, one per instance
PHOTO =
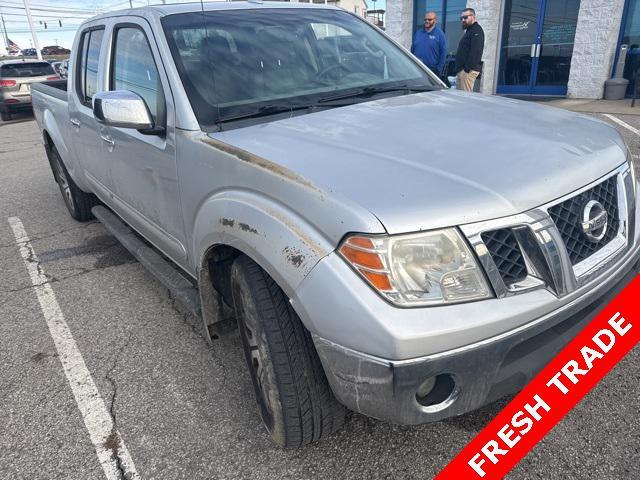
(384, 243)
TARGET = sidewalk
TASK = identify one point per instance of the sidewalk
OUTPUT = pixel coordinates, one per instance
(621, 107)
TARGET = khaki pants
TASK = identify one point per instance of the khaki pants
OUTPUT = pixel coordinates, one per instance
(465, 81)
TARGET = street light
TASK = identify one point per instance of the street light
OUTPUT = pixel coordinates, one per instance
(33, 32)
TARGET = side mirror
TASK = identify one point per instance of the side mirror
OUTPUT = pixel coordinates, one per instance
(122, 108)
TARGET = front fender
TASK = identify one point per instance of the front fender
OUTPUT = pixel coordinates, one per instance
(275, 237)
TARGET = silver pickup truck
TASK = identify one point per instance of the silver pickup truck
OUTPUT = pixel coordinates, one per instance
(383, 243)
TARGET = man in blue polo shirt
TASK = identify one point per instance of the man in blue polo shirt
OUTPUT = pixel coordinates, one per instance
(430, 45)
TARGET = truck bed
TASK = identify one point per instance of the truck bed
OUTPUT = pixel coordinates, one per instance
(53, 88)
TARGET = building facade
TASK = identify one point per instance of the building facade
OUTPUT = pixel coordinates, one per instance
(536, 47)
(359, 7)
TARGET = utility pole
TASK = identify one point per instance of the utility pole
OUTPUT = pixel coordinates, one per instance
(33, 32)
(4, 33)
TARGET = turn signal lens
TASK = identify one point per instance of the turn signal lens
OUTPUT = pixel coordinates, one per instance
(378, 280)
(362, 258)
(361, 253)
(54, 77)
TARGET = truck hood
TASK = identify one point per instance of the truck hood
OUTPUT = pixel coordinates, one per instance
(438, 159)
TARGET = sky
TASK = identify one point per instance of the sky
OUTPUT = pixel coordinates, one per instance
(62, 18)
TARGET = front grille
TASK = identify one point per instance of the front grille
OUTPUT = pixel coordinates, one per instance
(506, 253)
(568, 218)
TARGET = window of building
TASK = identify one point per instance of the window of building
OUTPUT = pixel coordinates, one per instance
(631, 37)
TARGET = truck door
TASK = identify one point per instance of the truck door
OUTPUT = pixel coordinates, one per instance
(143, 166)
(85, 130)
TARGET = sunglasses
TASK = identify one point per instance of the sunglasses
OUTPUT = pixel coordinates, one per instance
(464, 17)
(429, 19)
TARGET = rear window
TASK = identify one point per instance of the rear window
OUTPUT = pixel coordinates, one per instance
(87, 63)
(35, 69)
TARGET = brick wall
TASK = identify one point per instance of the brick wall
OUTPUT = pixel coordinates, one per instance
(594, 47)
(398, 20)
(488, 16)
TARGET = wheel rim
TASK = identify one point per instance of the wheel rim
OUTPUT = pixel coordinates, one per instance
(256, 366)
(63, 183)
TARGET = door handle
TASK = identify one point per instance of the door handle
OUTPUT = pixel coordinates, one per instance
(538, 48)
(534, 47)
(75, 122)
(107, 139)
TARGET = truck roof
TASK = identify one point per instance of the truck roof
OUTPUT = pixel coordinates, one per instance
(21, 60)
(162, 10)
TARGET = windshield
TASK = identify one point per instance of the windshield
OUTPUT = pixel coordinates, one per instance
(237, 63)
(27, 69)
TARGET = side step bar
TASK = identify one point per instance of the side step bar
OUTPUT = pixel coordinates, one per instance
(180, 287)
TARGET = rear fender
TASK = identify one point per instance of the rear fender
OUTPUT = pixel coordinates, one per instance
(51, 128)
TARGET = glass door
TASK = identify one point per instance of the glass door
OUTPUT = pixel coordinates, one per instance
(519, 37)
(537, 45)
(556, 47)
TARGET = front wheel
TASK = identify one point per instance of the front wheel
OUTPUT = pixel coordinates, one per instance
(293, 395)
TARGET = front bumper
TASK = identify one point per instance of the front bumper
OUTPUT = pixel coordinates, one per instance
(468, 377)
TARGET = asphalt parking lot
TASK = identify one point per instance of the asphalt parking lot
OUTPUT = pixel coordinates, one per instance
(185, 409)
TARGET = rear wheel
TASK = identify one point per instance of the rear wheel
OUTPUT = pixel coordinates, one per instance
(5, 115)
(78, 203)
(294, 398)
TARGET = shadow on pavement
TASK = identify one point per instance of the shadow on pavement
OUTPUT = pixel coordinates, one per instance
(19, 117)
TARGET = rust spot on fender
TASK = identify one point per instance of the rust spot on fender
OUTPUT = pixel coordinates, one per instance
(304, 238)
(247, 228)
(294, 256)
(227, 222)
(258, 161)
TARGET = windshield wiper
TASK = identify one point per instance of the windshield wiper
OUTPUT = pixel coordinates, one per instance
(272, 109)
(326, 102)
(370, 91)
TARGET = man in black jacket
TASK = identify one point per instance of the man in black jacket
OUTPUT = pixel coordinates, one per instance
(469, 55)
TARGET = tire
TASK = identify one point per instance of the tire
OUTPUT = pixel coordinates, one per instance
(5, 115)
(294, 399)
(78, 203)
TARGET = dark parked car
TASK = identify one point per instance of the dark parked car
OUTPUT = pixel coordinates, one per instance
(55, 50)
(29, 52)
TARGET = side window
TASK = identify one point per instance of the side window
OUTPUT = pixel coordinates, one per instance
(134, 69)
(81, 65)
(93, 55)
(87, 65)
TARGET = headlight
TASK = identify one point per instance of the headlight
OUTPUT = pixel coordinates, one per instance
(430, 268)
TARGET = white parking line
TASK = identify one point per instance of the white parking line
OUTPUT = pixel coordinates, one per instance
(622, 124)
(105, 438)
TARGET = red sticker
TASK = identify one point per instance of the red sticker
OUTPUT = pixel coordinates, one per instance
(553, 392)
